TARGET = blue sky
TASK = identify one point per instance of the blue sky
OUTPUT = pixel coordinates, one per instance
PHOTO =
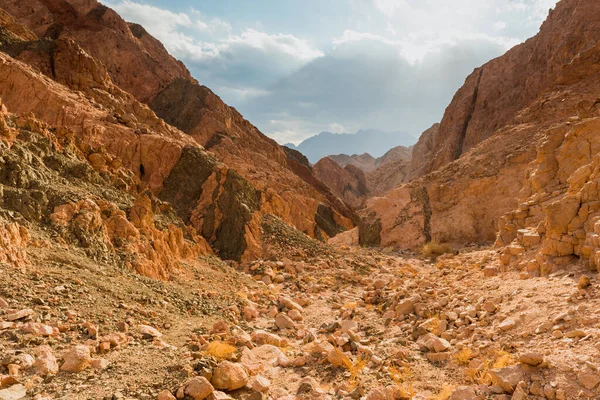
(295, 68)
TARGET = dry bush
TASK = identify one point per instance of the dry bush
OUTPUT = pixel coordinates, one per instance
(220, 350)
(464, 356)
(435, 249)
(496, 359)
(403, 379)
(354, 368)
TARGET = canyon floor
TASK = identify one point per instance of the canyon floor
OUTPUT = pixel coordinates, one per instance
(315, 322)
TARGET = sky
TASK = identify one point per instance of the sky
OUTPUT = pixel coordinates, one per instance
(295, 68)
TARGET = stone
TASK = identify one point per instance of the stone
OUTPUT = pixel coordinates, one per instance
(218, 395)
(149, 332)
(588, 380)
(263, 358)
(441, 345)
(77, 359)
(229, 376)
(282, 321)
(259, 383)
(99, 363)
(377, 394)
(489, 307)
(38, 329)
(289, 304)
(14, 392)
(199, 388)
(337, 358)
(45, 361)
(21, 314)
(405, 307)
(507, 324)
(295, 315)
(3, 304)
(165, 395)
(349, 326)
(533, 359)
(463, 393)
(250, 313)
(262, 337)
(508, 378)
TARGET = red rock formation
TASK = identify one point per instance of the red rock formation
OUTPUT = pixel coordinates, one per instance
(113, 129)
(493, 94)
(381, 174)
(349, 183)
(139, 64)
(471, 199)
(365, 162)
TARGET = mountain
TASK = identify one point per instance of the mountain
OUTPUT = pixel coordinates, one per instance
(348, 183)
(182, 142)
(371, 141)
(155, 245)
(514, 161)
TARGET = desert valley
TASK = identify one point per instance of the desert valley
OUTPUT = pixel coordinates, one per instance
(155, 244)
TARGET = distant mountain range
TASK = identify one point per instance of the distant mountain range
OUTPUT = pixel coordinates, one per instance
(372, 141)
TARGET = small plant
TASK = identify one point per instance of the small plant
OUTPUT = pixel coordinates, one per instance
(434, 250)
(503, 359)
(464, 356)
(497, 359)
(354, 368)
(403, 379)
(220, 350)
(584, 282)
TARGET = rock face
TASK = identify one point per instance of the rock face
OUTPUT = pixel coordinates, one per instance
(514, 142)
(423, 152)
(391, 171)
(96, 93)
(348, 183)
(494, 94)
(381, 174)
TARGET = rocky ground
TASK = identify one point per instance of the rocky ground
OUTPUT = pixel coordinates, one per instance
(336, 323)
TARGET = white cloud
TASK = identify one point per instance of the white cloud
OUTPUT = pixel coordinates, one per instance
(395, 67)
(500, 25)
(280, 43)
(238, 66)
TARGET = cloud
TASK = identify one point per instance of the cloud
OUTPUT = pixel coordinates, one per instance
(395, 66)
(240, 65)
(367, 81)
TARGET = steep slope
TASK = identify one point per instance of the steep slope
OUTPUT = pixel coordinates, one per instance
(138, 64)
(493, 94)
(348, 183)
(388, 176)
(382, 174)
(113, 130)
(464, 201)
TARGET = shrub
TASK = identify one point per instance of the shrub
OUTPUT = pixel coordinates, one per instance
(435, 249)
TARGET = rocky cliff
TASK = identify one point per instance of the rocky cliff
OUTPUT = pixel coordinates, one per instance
(381, 174)
(349, 183)
(54, 66)
(524, 156)
(493, 94)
